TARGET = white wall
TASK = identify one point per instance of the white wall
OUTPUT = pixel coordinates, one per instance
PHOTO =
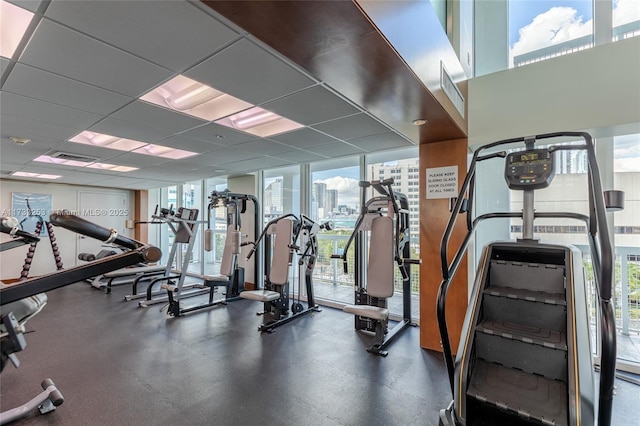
(598, 88)
(63, 197)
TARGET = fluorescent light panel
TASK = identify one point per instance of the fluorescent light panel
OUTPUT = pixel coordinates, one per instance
(73, 163)
(164, 151)
(13, 24)
(106, 141)
(35, 175)
(193, 98)
(111, 167)
(260, 122)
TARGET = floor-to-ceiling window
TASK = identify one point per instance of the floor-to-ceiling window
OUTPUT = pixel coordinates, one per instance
(514, 33)
(626, 167)
(281, 196)
(192, 199)
(335, 196)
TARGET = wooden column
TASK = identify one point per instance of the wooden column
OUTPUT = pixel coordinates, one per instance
(141, 214)
(434, 216)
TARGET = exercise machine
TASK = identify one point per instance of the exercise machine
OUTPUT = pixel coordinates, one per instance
(183, 224)
(22, 300)
(284, 237)
(524, 355)
(381, 238)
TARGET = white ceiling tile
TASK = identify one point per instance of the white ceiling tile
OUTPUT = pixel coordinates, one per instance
(216, 133)
(248, 72)
(262, 147)
(189, 144)
(310, 106)
(223, 155)
(163, 121)
(304, 138)
(66, 52)
(31, 5)
(140, 160)
(299, 156)
(3, 64)
(255, 164)
(176, 36)
(381, 142)
(127, 129)
(39, 132)
(117, 181)
(337, 149)
(46, 112)
(354, 126)
(34, 83)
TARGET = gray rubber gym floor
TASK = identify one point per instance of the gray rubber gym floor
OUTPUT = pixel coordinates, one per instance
(117, 364)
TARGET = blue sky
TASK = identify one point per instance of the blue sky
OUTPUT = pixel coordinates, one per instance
(522, 12)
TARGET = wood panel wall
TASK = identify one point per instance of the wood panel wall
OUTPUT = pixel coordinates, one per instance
(434, 216)
(140, 230)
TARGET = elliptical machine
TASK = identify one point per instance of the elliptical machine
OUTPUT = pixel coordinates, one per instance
(524, 356)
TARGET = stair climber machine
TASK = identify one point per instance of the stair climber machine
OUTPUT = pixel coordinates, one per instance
(285, 236)
(24, 299)
(381, 236)
(525, 354)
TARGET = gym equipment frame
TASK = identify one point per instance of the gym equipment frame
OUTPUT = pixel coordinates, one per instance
(525, 353)
(290, 234)
(385, 219)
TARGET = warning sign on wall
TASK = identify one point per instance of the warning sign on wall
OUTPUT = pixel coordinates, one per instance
(442, 182)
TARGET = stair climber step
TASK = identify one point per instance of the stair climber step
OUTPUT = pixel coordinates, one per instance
(525, 395)
(534, 335)
(532, 314)
(527, 276)
(528, 295)
(528, 357)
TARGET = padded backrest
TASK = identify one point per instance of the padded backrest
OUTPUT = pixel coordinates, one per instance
(380, 265)
(231, 249)
(279, 272)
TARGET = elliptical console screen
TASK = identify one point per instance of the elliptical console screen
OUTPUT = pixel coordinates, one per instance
(531, 169)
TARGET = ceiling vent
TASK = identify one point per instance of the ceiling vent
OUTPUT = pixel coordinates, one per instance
(74, 157)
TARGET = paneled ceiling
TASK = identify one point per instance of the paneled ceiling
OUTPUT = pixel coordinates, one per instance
(88, 62)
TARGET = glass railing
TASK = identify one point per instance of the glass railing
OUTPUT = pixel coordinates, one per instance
(626, 298)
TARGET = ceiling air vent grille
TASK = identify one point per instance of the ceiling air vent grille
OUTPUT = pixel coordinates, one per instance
(74, 157)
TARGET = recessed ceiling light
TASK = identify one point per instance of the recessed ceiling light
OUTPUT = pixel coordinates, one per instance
(35, 175)
(164, 151)
(420, 122)
(14, 22)
(106, 141)
(260, 122)
(111, 167)
(91, 165)
(196, 99)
